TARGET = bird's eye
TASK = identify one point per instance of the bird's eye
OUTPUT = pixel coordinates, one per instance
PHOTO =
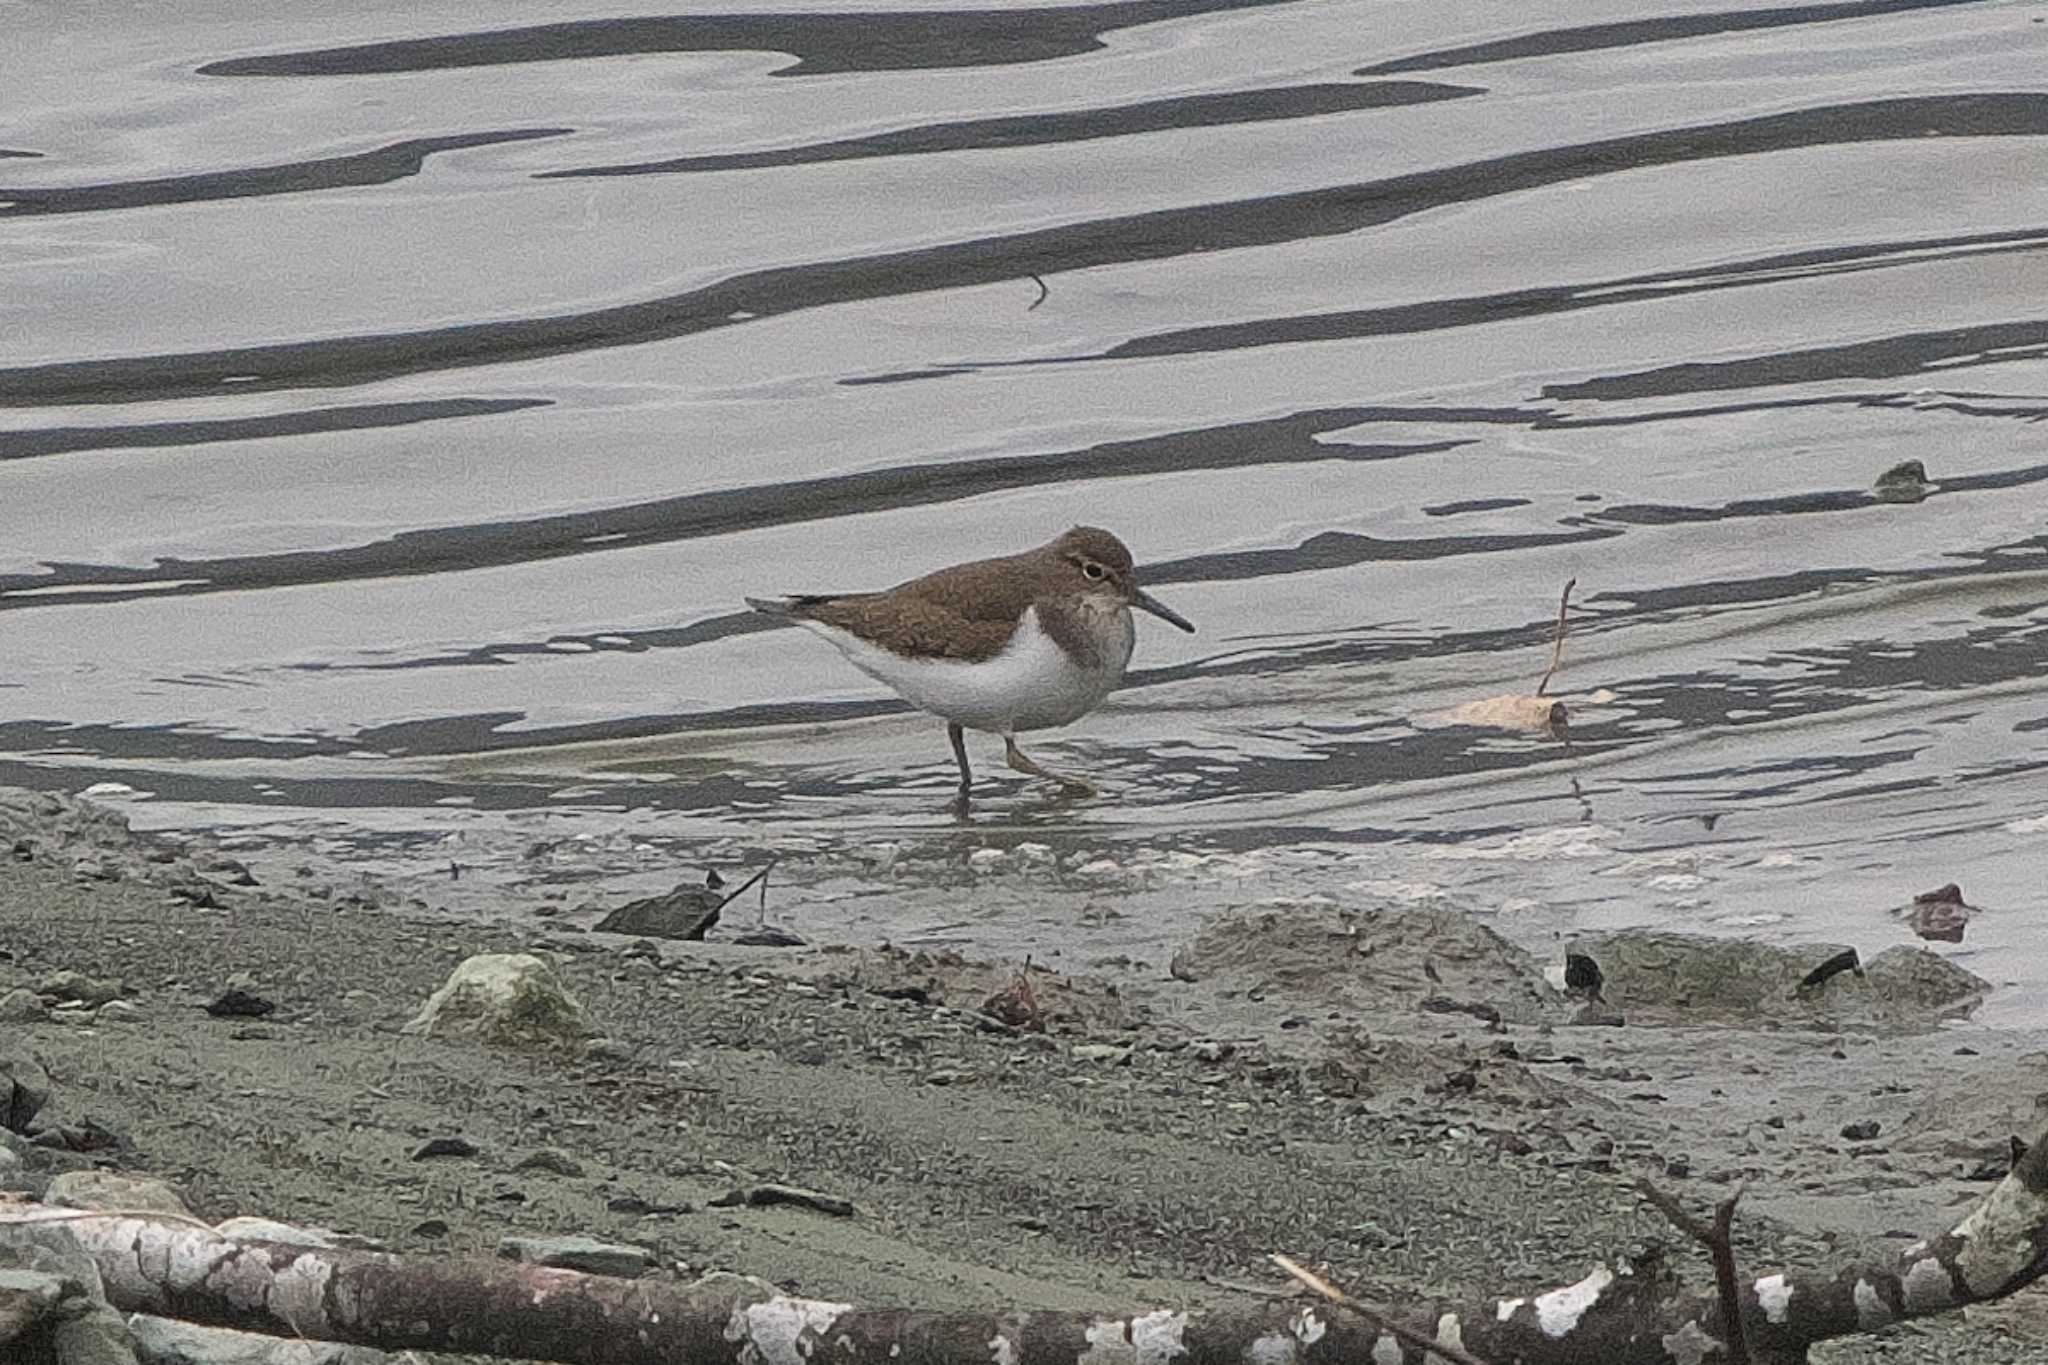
(1092, 571)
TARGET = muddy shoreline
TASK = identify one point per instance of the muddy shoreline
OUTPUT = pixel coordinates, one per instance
(1351, 1104)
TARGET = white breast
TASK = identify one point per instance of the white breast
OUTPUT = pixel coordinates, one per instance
(1031, 685)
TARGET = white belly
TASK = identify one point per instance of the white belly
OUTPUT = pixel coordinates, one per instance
(1031, 685)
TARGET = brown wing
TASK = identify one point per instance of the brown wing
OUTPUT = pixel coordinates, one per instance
(964, 612)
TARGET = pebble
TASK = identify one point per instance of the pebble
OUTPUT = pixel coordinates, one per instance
(70, 987)
(586, 1254)
(552, 1159)
(1862, 1131)
(21, 1007)
(444, 1146)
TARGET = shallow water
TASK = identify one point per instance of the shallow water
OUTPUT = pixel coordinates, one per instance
(392, 416)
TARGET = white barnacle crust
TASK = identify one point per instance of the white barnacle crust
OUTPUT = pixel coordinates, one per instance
(1692, 1344)
(1147, 1339)
(1507, 1308)
(244, 1278)
(1774, 1296)
(1273, 1348)
(781, 1330)
(1560, 1310)
(1926, 1288)
(1001, 1351)
(1998, 1236)
(1386, 1351)
(1871, 1310)
(1309, 1327)
(299, 1295)
(1156, 1336)
(1449, 1332)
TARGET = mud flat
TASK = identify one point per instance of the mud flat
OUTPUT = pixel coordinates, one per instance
(1397, 1093)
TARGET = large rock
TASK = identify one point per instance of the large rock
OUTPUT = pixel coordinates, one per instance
(1369, 961)
(684, 912)
(112, 1190)
(1655, 977)
(510, 999)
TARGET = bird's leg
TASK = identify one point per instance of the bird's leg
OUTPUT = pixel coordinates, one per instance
(959, 738)
(1079, 786)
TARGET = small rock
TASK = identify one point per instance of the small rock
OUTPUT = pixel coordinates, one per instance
(1939, 916)
(1212, 1050)
(21, 1007)
(551, 1159)
(90, 991)
(24, 1089)
(984, 860)
(1862, 1131)
(118, 1012)
(237, 1002)
(763, 1196)
(607, 1050)
(1903, 482)
(578, 1253)
(432, 1227)
(444, 1146)
(112, 1190)
(1101, 1052)
(769, 936)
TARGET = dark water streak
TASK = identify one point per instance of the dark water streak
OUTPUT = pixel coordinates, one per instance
(380, 166)
(1886, 358)
(1547, 300)
(873, 40)
(1179, 114)
(1638, 32)
(1157, 235)
(29, 445)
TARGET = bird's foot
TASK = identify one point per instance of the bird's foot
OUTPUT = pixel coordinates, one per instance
(1070, 785)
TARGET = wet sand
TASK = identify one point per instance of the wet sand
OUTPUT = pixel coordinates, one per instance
(1160, 1138)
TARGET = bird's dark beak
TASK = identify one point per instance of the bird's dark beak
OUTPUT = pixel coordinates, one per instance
(1145, 601)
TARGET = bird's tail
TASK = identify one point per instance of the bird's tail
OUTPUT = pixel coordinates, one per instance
(774, 606)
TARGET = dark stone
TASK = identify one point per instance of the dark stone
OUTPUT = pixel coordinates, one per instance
(444, 1146)
(24, 1090)
(683, 913)
(1861, 1131)
(236, 1003)
(1582, 974)
(1844, 961)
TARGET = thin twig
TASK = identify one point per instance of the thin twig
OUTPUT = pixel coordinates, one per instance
(762, 877)
(1043, 293)
(1263, 1291)
(1716, 1240)
(1458, 1355)
(1557, 643)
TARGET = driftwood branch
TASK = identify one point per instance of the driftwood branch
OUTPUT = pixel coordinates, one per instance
(1564, 600)
(1720, 1246)
(172, 1268)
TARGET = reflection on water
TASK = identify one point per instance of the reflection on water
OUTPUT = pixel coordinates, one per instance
(392, 417)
